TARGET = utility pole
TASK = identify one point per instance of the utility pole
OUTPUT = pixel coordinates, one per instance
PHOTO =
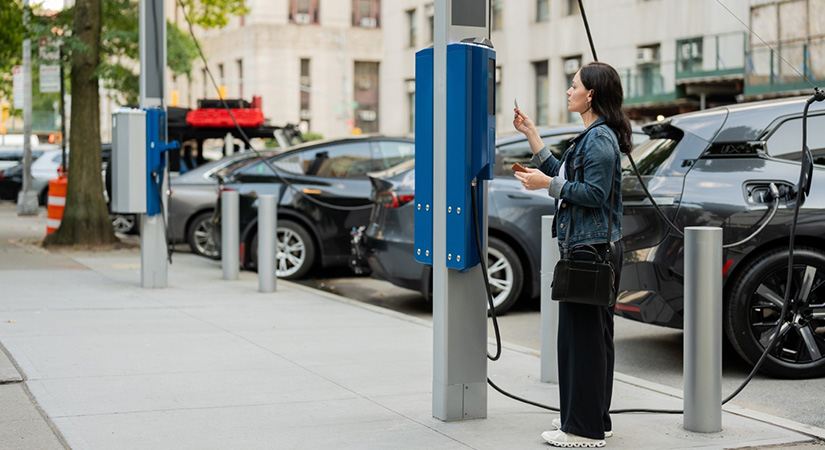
(153, 238)
(27, 198)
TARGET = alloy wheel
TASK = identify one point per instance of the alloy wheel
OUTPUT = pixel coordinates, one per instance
(204, 239)
(802, 331)
(291, 253)
(500, 273)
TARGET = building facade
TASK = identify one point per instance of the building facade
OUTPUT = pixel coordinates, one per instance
(312, 62)
(673, 56)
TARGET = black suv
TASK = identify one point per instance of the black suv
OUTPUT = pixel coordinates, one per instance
(711, 168)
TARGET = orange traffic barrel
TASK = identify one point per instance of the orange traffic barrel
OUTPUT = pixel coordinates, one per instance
(57, 201)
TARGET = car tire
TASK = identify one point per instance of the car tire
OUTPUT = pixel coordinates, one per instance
(505, 274)
(124, 223)
(200, 236)
(754, 305)
(295, 254)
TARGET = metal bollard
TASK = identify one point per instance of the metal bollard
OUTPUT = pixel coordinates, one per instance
(703, 329)
(230, 245)
(549, 308)
(267, 242)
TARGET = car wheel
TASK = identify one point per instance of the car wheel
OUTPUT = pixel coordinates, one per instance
(754, 307)
(505, 274)
(200, 238)
(295, 254)
(124, 223)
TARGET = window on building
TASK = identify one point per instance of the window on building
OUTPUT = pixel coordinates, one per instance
(366, 96)
(542, 10)
(205, 78)
(689, 55)
(430, 9)
(498, 14)
(306, 83)
(542, 93)
(221, 82)
(573, 7)
(239, 64)
(412, 21)
(366, 14)
(648, 72)
(571, 65)
(411, 104)
(304, 11)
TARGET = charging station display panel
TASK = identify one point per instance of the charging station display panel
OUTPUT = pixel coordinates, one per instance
(469, 13)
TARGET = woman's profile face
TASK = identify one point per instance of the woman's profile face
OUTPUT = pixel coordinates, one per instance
(578, 97)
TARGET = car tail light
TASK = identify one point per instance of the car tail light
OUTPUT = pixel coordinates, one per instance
(391, 199)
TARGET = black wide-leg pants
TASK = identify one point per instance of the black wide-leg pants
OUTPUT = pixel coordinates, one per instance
(586, 359)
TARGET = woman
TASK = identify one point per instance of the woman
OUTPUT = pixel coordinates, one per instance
(581, 185)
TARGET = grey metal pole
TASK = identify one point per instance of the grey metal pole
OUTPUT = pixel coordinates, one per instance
(703, 329)
(267, 242)
(152, 18)
(230, 245)
(459, 299)
(27, 198)
(549, 308)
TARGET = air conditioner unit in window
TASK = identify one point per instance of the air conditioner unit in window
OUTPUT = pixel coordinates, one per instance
(369, 22)
(302, 18)
(306, 81)
(367, 115)
(645, 55)
(306, 114)
(690, 50)
(571, 66)
(365, 83)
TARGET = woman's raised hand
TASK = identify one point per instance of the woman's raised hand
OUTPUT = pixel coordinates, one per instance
(521, 122)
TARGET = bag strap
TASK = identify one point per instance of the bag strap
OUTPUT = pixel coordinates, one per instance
(610, 213)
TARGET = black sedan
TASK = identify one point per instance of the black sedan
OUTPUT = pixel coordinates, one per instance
(514, 224)
(711, 168)
(323, 193)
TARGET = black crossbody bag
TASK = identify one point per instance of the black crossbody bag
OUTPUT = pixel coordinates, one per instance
(582, 276)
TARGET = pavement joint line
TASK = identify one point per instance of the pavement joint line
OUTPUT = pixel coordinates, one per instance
(808, 430)
(32, 399)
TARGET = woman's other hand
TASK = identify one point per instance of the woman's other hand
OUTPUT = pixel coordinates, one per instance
(533, 179)
(522, 123)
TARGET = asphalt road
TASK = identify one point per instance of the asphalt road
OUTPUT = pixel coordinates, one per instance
(643, 351)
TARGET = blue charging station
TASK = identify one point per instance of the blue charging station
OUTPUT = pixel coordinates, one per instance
(156, 146)
(470, 148)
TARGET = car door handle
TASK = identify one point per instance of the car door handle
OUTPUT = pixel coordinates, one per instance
(311, 191)
(519, 196)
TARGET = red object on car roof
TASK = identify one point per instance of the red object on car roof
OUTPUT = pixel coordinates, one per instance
(213, 114)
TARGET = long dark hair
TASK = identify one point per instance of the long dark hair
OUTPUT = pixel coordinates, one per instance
(607, 100)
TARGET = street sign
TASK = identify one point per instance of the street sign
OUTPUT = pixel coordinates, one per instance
(17, 83)
(49, 79)
(49, 50)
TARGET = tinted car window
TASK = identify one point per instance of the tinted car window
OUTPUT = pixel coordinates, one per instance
(519, 152)
(392, 153)
(786, 141)
(352, 160)
(652, 157)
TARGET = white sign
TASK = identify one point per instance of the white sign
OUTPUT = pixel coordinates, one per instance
(49, 79)
(17, 83)
(49, 50)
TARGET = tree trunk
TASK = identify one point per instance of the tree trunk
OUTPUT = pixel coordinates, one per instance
(85, 218)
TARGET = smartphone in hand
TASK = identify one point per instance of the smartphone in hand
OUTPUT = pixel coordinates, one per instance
(519, 168)
(515, 103)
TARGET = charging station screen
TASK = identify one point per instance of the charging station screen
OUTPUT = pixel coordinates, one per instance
(470, 13)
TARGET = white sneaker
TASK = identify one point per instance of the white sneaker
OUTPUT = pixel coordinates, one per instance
(559, 438)
(557, 425)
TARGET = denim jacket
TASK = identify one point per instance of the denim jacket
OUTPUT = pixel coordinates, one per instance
(590, 162)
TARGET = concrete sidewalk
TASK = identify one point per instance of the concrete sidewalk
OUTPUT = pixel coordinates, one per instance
(213, 364)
